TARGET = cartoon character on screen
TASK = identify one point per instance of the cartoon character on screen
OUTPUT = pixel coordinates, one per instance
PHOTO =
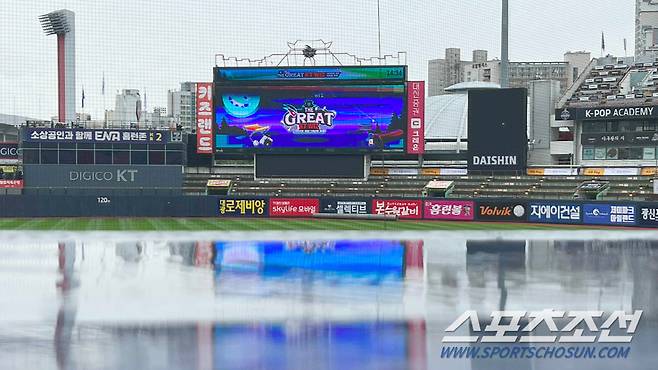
(259, 135)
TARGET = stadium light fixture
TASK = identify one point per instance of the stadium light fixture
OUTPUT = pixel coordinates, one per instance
(62, 24)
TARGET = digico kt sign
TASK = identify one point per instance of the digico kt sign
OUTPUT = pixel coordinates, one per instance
(103, 176)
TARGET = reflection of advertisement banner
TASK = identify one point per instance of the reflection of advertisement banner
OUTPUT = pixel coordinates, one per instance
(204, 144)
(257, 75)
(648, 215)
(416, 117)
(345, 206)
(501, 211)
(551, 212)
(242, 207)
(11, 184)
(609, 214)
(449, 210)
(405, 209)
(42, 135)
(294, 207)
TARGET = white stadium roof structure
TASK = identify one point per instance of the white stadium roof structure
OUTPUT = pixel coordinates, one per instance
(446, 116)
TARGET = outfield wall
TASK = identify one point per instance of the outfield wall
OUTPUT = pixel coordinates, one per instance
(617, 213)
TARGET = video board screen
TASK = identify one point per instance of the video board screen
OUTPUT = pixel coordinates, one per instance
(302, 111)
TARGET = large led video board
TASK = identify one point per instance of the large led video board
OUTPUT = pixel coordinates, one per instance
(310, 109)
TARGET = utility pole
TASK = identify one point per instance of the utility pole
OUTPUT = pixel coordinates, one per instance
(379, 32)
(504, 47)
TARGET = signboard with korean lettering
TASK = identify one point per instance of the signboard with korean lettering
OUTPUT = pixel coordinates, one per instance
(294, 207)
(416, 117)
(345, 206)
(449, 210)
(91, 136)
(204, 139)
(404, 209)
(11, 184)
(626, 138)
(609, 214)
(246, 207)
(554, 212)
(648, 215)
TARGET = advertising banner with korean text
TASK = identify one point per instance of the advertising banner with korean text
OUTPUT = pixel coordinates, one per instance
(609, 214)
(204, 139)
(416, 117)
(449, 210)
(405, 209)
(554, 212)
(294, 207)
(91, 136)
(11, 184)
(345, 206)
(243, 207)
(648, 215)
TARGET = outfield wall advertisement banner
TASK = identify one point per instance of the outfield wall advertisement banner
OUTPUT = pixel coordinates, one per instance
(11, 184)
(501, 211)
(609, 214)
(449, 210)
(404, 209)
(243, 207)
(204, 139)
(554, 212)
(416, 117)
(648, 215)
(294, 207)
(345, 206)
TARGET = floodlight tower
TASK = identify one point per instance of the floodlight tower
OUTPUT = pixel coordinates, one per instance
(62, 24)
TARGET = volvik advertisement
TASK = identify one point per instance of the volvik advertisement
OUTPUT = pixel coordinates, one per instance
(497, 130)
(501, 211)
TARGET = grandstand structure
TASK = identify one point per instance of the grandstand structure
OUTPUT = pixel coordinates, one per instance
(612, 111)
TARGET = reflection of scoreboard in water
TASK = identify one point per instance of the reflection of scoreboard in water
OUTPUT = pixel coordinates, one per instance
(353, 108)
(354, 257)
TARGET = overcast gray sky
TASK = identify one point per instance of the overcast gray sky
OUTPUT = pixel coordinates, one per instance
(154, 45)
